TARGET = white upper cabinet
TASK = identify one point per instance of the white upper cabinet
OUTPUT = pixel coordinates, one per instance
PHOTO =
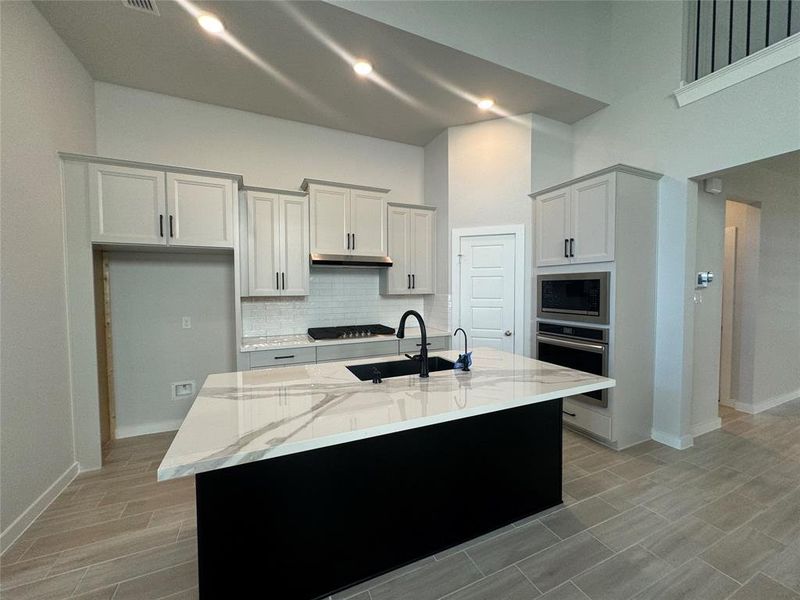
(592, 211)
(200, 211)
(411, 239)
(575, 223)
(422, 251)
(145, 207)
(367, 223)
(263, 243)
(127, 205)
(397, 279)
(552, 225)
(347, 219)
(277, 244)
(330, 219)
(294, 246)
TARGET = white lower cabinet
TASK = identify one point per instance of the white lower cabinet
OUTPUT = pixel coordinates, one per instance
(411, 233)
(583, 417)
(129, 205)
(276, 245)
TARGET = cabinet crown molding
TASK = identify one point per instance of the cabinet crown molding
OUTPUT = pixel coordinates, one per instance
(412, 206)
(618, 168)
(252, 188)
(135, 164)
(350, 186)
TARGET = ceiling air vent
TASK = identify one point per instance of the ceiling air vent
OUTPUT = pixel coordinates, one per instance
(148, 6)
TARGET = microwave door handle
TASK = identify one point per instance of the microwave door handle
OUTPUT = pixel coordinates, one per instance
(597, 348)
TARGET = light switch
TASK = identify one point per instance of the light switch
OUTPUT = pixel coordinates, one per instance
(186, 322)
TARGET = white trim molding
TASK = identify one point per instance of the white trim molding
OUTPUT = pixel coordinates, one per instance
(673, 441)
(126, 431)
(759, 62)
(518, 231)
(752, 409)
(11, 533)
(710, 425)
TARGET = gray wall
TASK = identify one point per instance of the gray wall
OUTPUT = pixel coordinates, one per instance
(47, 105)
(776, 331)
(150, 293)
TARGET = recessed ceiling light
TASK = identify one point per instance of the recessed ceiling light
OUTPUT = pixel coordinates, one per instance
(210, 23)
(362, 67)
(485, 103)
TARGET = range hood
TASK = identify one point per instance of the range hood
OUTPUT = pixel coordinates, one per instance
(348, 260)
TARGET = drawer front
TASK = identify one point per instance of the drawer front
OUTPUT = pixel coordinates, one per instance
(358, 350)
(413, 345)
(585, 418)
(285, 356)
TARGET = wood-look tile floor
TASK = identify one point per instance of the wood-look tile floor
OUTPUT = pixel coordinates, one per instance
(718, 521)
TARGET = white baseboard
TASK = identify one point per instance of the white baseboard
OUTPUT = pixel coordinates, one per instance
(674, 441)
(758, 407)
(126, 431)
(730, 402)
(710, 425)
(11, 533)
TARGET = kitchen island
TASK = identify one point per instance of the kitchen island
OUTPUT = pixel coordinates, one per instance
(310, 481)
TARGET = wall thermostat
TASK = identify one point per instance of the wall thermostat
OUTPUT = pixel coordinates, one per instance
(704, 279)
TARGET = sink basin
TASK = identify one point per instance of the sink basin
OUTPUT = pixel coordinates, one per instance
(398, 368)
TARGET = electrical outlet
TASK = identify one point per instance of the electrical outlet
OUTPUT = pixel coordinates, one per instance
(186, 322)
(182, 390)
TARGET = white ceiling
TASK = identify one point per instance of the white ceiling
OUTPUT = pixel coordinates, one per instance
(169, 54)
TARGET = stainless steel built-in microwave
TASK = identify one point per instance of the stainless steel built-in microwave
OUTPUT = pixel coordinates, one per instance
(574, 297)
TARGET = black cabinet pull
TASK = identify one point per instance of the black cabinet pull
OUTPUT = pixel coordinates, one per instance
(413, 281)
(348, 241)
(354, 241)
(284, 357)
(277, 282)
(566, 248)
(568, 413)
(572, 247)
(171, 232)
(161, 225)
(283, 280)
(409, 282)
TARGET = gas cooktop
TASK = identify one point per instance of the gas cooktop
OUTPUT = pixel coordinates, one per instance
(349, 331)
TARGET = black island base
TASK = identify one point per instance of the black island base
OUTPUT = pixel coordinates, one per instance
(307, 525)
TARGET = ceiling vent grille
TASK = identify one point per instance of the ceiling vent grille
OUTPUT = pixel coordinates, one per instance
(148, 6)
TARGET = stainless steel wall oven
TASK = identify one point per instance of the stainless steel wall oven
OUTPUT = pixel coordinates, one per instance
(581, 348)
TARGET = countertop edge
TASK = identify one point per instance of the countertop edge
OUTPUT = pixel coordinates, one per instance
(202, 466)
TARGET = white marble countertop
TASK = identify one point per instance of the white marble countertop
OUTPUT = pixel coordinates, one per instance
(255, 415)
(300, 340)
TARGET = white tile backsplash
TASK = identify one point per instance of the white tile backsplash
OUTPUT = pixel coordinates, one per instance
(339, 296)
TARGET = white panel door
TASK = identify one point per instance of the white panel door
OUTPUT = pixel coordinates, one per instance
(294, 246)
(398, 276)
(552, 228)
(592, 212)
(263, 243)
(422, 251)
(127, 205)
(487, 290)
(200, 211)
(367, 223)
(330, 219)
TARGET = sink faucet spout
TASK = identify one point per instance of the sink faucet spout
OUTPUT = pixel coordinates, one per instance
(422, 357)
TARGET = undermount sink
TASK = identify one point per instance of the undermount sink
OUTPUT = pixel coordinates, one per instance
(398, 368)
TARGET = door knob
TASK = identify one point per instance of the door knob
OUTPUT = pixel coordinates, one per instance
(508, 332)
